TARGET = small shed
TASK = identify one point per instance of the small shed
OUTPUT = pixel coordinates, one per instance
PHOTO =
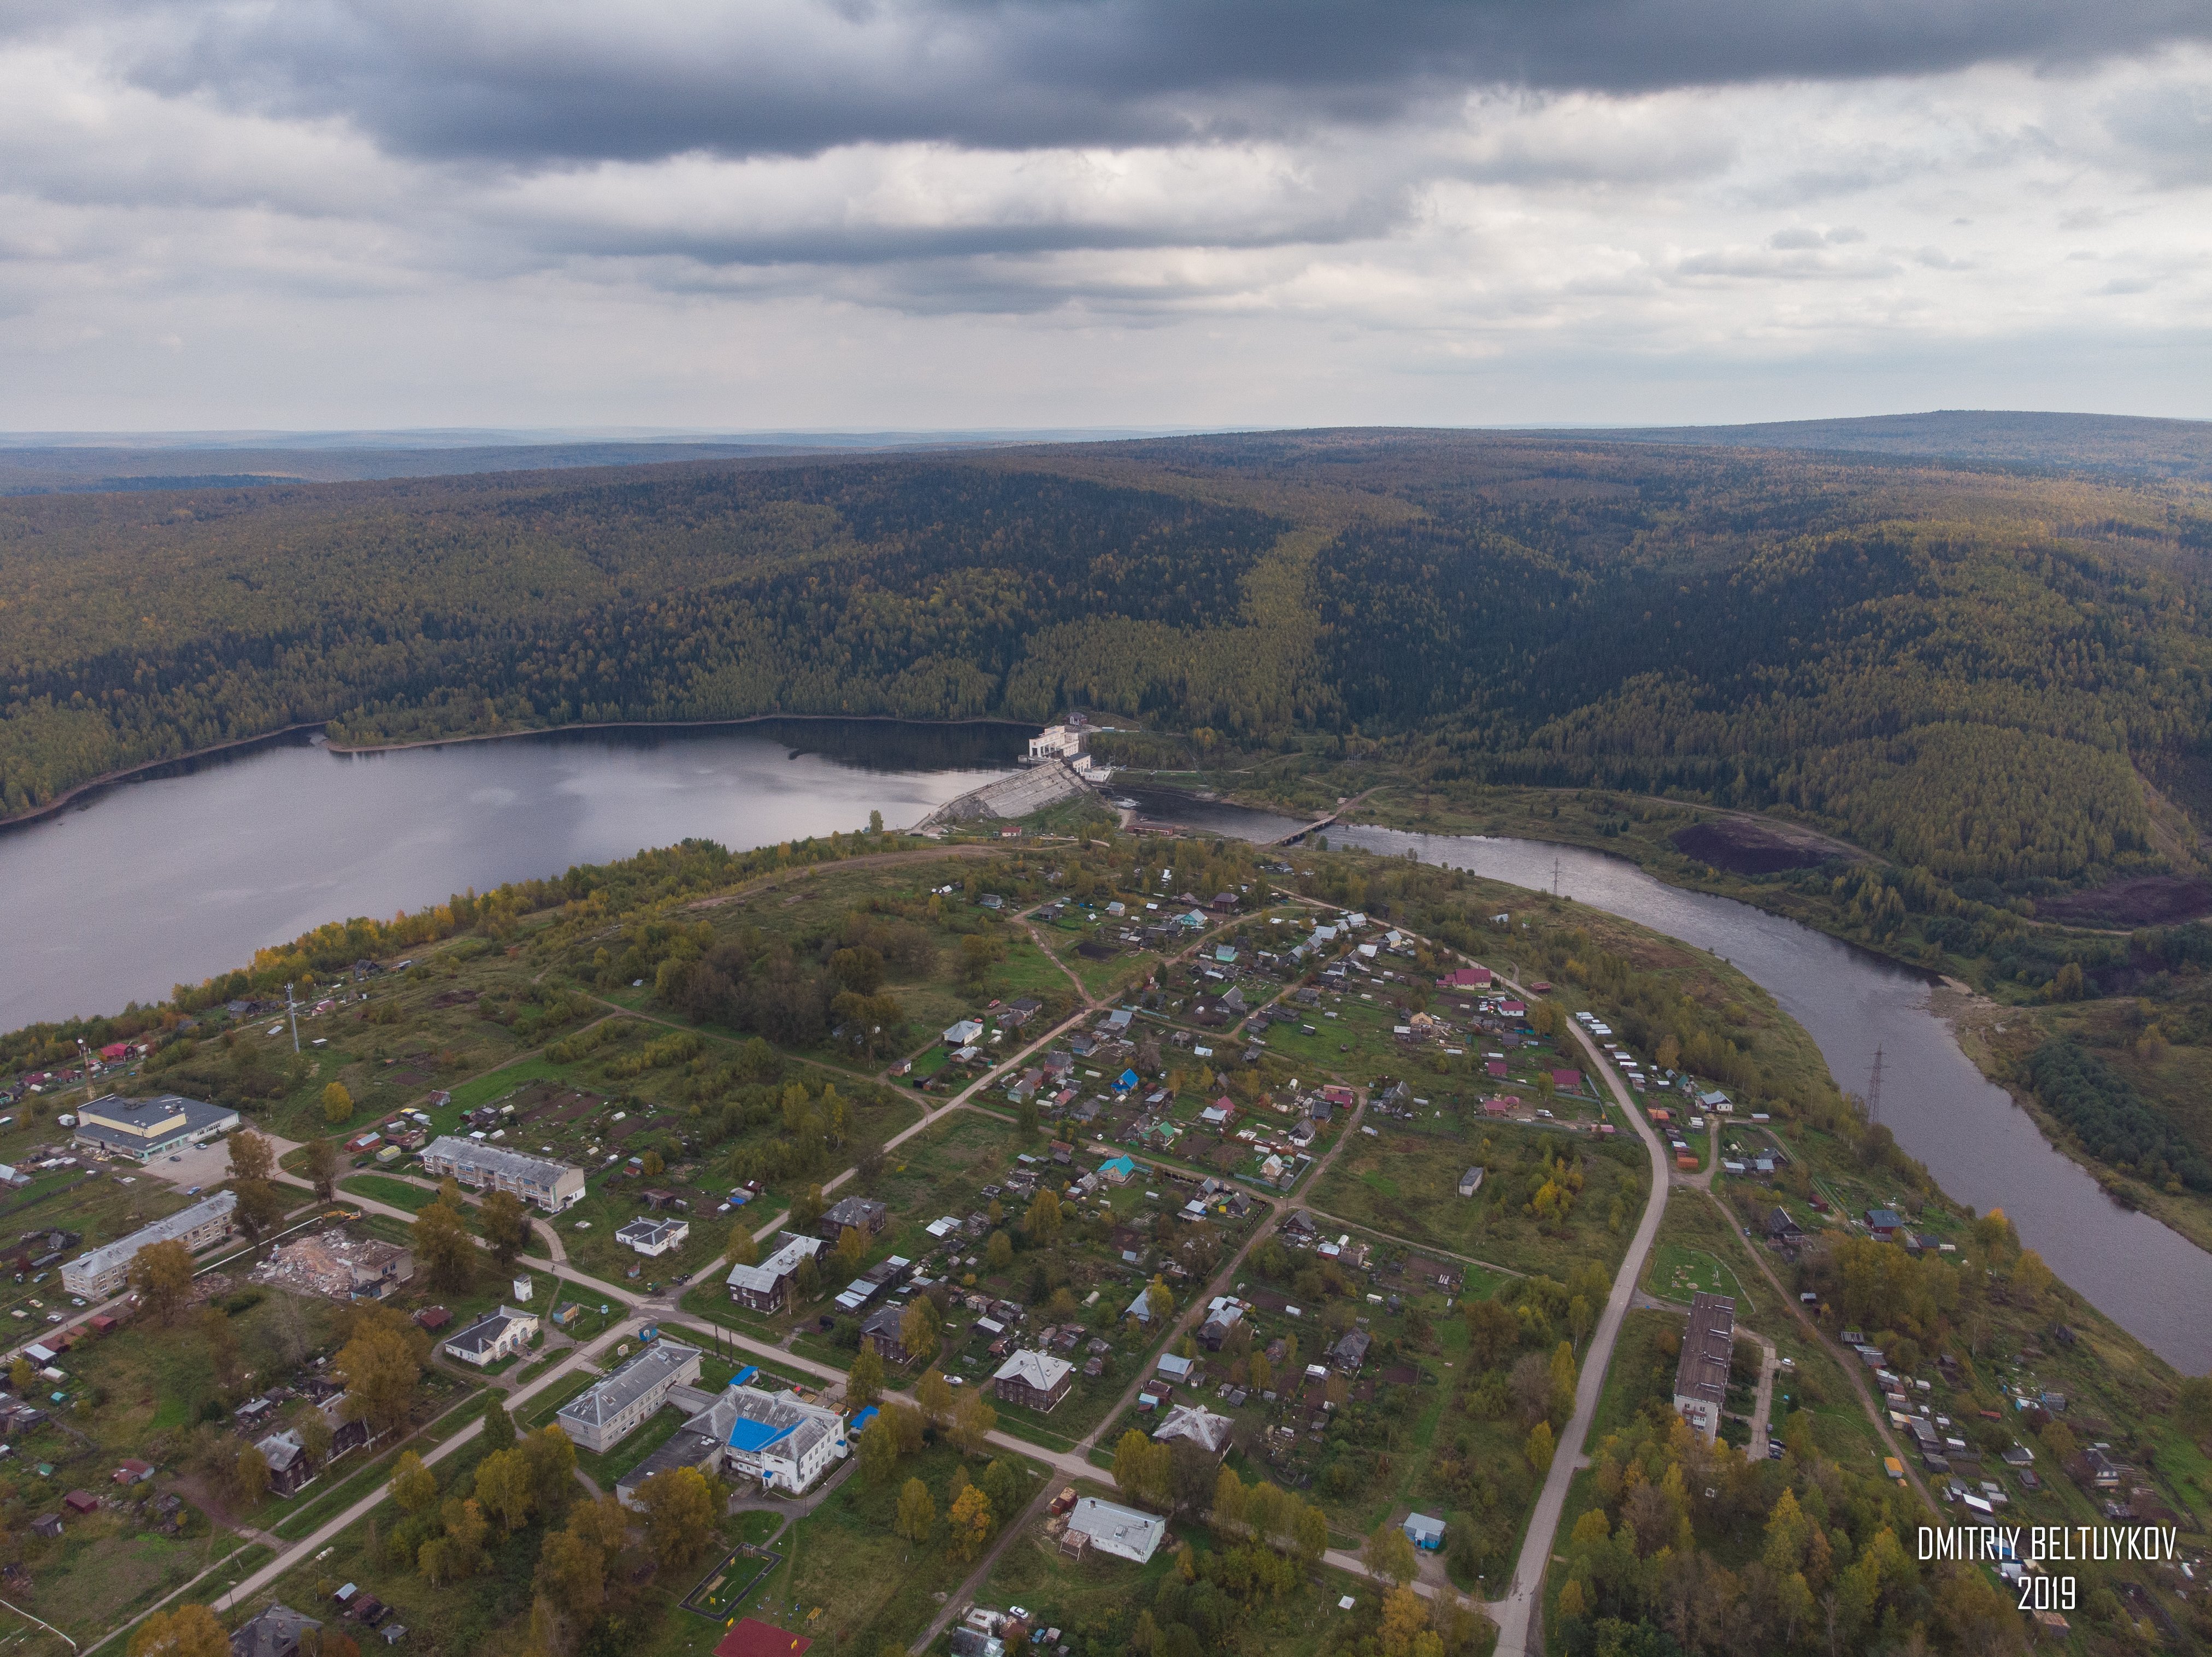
(1423, 1531)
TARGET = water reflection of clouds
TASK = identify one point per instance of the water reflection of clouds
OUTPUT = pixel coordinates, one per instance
(179, 876)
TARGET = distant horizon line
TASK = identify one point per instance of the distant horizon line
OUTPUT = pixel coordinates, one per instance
(859, 436)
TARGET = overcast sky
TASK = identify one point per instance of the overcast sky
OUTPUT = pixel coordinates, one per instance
(958, 213)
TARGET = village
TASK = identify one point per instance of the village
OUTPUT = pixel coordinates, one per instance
(1153, 1185)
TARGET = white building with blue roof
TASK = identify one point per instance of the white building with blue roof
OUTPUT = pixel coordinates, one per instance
(785, 1443)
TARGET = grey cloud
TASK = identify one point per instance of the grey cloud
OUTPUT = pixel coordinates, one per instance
(864, 244)
(1762, 265)
(526, 84)
(2171, 128)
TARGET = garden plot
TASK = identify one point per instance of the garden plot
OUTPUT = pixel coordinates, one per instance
(1528, 1213)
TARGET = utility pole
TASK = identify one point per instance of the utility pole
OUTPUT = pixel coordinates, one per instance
(292, 1012)
(1874, 1090)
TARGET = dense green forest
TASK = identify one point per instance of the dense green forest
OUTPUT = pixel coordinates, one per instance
(1964, 670)
(2112, 1119)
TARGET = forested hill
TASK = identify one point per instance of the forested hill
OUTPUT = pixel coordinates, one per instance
(1964, 669)
(2123, 444)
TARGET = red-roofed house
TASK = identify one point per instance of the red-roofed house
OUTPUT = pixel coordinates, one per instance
(750, 1637)
(1467, 978)
(1567, 1082)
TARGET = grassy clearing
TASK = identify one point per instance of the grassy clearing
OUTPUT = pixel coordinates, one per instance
(104, 1568)
(398, 1193)
(490, 1088)
(1678, 1270)
(1404, 1181)
(844, 1562)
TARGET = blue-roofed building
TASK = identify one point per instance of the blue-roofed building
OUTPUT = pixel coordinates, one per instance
(785, 1443)
(775, 1437)
(1125, 1083)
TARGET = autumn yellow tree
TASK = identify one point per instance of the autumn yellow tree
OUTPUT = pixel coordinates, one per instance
(680, 1508)
(968, 1523)
(187, 1631)
(161, 1274)
(917, 1512)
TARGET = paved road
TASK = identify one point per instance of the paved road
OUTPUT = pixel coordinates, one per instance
(1516, 1614)
(568, 1275)
(1763, 1409)
(332, 1529)
(1075, 1464)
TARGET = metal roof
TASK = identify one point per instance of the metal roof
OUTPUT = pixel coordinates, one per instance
(656, 1367)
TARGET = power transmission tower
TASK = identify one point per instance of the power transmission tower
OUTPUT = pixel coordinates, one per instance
(1555, 875)
(1874, 1090)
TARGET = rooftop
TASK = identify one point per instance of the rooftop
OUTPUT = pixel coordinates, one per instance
(853, 1211)
(488, 1329)
(1125, 1533)
(762, 1421)
(1195, 1422)
(651, 1368)
(450, 1148)
(1702, 1371)
(136, 1125)
(763, 1277)
(110, 1257)
(1038, 1370)
(272, 1633)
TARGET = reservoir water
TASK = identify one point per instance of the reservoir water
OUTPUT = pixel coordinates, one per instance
(175, 876)
(184, 873)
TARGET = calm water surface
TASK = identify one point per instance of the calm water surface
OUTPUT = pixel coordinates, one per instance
(1981, 1146)
(154, 882)
(176, 877)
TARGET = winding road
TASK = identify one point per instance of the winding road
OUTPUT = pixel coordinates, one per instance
(1516, 1614)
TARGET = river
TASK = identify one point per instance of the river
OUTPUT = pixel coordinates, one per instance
(176, 874)
(187, 872)
(1981, 1146)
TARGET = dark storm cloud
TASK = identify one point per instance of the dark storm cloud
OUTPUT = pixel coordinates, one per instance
(547, 82)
